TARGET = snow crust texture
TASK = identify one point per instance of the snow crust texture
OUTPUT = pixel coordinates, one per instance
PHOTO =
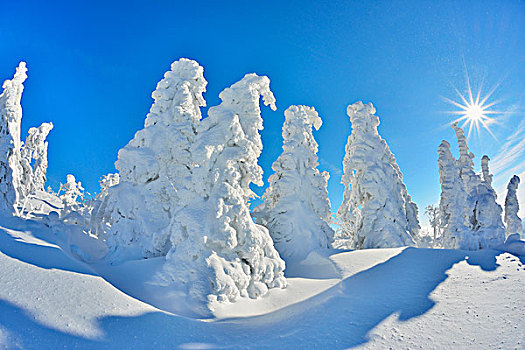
(296, 208)
(377, 211)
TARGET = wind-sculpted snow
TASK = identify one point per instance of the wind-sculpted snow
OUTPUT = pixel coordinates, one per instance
(296, 207)
(377, 211)
(154, 168)
(512, 208)
(217, 251)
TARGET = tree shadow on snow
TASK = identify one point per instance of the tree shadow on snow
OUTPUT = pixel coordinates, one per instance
(343, 316)
(338, 318)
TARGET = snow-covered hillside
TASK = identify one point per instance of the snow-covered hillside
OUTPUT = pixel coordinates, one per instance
(51, 297)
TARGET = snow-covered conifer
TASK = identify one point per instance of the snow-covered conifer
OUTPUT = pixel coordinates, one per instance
(155, 166)
(487, 176)
(465, 161)
(296, 208)
(453, 213)
(100, 219)
(217, 249)
(107, 181)
(512, 220)
(72, 191)
(487, 224)
(377, 211)
(10, 144)
(34, 158)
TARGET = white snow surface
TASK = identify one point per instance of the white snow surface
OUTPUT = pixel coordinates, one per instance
(54, 294)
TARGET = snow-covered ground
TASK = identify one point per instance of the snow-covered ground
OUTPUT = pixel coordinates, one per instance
(402, 298)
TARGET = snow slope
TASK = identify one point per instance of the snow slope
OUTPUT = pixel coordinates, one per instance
(377, 298)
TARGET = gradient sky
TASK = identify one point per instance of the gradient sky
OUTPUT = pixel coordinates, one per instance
(93, 65)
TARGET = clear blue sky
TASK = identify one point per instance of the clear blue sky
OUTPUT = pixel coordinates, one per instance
(93, 65)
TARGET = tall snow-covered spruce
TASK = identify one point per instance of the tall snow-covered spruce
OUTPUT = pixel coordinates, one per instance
(453, 212)
(487, 224)
(23, 166)
(296, 208)
(154, 168)
(482, 213)
(512, 220)
(34, 151)
(10, 144)
(217, 250)
(377, 211)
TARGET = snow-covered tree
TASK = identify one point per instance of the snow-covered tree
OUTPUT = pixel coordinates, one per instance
(432, 213)
(34, 158)
(512, 220)
(154, 167)
(10, 122)
(465, 162)
(107, 181)
(377, 211)
(483, 212)
(453, 212)
(218, 252)
(296, 208)
(487, 224)
(23, 166)
(71, 191)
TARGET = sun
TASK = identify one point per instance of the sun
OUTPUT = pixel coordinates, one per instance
(475, 112)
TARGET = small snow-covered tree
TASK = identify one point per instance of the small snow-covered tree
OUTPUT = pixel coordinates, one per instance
(432, 213)
(100, 219)
(218, 252)
(377, 211)
(487, 224)
(34, 158)
(296, 208)
(71, 191)
(512, 220)
(107, 181)
(154, 167)
(11, 191)
(453, 212)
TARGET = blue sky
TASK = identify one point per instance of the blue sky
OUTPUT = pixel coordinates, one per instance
(93, 65)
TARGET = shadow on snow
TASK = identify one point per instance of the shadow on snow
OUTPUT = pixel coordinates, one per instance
(340, 317)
